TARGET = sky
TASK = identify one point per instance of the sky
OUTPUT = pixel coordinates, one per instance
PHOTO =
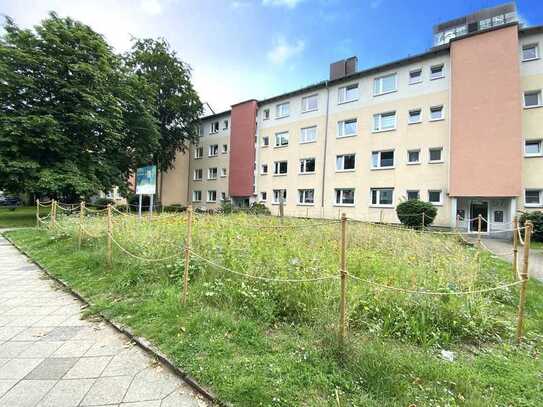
(245, 49)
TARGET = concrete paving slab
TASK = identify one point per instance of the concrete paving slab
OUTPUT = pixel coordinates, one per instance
(91, 367)
(26, 393)
(51, 368)
(16, 369)
(107, 390)
(66, 393)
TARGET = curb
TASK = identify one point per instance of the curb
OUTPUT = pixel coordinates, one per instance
(138, 340)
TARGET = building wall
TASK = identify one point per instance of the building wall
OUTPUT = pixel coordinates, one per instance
(175, 182)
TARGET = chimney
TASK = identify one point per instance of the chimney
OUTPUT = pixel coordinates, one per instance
(343, 68)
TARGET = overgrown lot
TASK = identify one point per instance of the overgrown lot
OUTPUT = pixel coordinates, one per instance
(257, 342)
(23, 216)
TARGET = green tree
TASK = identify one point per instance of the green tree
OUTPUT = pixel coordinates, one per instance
(73, 119)
(176, 104)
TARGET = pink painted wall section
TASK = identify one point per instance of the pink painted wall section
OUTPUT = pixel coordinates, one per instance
(242, 149)
(486, 139)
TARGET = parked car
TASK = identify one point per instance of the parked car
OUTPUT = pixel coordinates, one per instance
(10, 201)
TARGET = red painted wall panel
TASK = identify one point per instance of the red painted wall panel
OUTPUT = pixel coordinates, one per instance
(242, 149)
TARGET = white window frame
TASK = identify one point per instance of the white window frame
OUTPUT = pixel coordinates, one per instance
(534, 205)
(409, 117)
(378, 125)
(262, 172)
(225, 124)
(210, 175)
(419, 80)
(439, 108)
(223, 172)
(430, 155)
(407, 192)
(275, 199)
(305, 101)
(438, 203)
(435, 76)
(378, 83)
(303, 130)
(302, 196)
(211, 191)
(378, 204)
(341, 128)
(303, 165)
(225, 148)
(540, 145)
(528, 46)
(342, 157)
(266, 114)
(342, 196)
(281, 111)
(211, 147)
(277, 168)
(379, 154)
(194, 194)
(281, 137)
(200, 172)
(263, 196)
(214, 127)
(539, 101)
(342, 93)
(413, 162)
(265, 141)
(198, 153)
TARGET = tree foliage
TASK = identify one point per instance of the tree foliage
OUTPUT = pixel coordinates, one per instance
(537, 219)
(411, 213)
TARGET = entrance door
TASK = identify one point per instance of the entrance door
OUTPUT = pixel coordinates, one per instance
(479, 208)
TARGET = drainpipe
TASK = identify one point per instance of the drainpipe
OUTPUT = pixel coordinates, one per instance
(325, 145)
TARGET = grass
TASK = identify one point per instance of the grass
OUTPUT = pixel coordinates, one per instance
(23, 216)
(265, 343)
(536, 245)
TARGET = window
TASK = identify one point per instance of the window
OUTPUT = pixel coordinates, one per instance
(282, 110)
(277, 193)
(263, 196)
(198, 174)
(213, 150)
(214, 128)
(413, 157)
(196, 196)
(434, 197)
(348, 93)
(266, 114)
(345, 162)
(200, 131)
(310, 103)
(225, 125)
(384, 84)
(199, 152)
(223, 196)
(382, 196)
(307, 165)
(435, 154)
(532, 98)
(415, 116)
(436, 72)
(436, 113)
(265, 141)
(308, 134)
(306, 196)
(461, 214)
(264, 169)
(223, 172)
(346, 128)
(384, 121)
(345, 196)
(211, 196)
(281, 139)
(415, 76)
(280, 167)
(382, 159)
(413, 195)
(532, 148)
(530, 52)
(532, 197)
(212, 173)
(225, 148)
(498, 216)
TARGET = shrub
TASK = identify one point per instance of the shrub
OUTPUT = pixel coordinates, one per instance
(102, 202)
(258, 209)
(227, 207)
(410, 213)
(175, 208)
(537, 219)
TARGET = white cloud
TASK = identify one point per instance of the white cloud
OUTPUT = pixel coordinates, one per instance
(282, 3)
(283, 51)
(151, 7)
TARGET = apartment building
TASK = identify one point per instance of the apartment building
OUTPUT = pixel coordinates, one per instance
(459, 126)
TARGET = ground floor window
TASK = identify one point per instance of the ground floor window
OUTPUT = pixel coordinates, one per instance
(211, 196)
(532, 197)
(382, 196)
(277, 195)
(345, 196)
(498, 216)
(413, 195)
(306, 196)
(196, 196)
(263, 196)
(434, 196)
(461, 214)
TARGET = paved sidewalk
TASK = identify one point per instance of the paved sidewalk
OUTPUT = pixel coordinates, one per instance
(50, 357)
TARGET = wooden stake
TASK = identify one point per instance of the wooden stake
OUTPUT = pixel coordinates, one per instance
(188, 241)
(479, 223)
(515, 247)
(81, 215)
(343, 276)
(524, 278)
(53, 213)
(37, 212)
(109, 235)
(423, 219)
(281, 205)
(381, 216)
